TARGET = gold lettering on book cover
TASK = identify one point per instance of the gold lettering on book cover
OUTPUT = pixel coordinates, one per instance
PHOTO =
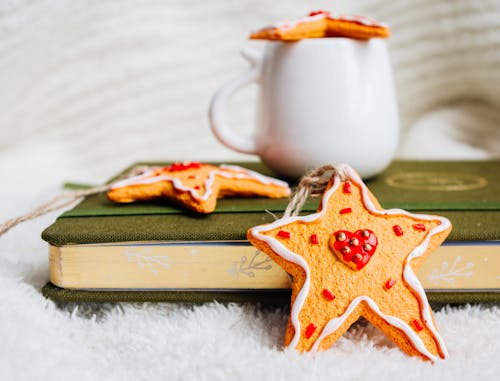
(436, 181)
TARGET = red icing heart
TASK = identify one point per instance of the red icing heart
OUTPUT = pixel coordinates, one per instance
(354, 249)
(176, 167)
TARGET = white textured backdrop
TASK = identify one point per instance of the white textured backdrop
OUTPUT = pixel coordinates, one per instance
(88, 87)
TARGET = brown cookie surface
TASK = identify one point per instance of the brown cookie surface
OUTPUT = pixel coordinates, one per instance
(196, 186)
(320, 24)
(350, 259)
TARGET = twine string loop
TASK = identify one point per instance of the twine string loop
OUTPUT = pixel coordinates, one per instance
(66, 199)
(313, 184)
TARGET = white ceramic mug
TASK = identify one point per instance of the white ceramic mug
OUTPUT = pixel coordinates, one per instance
(321, 101)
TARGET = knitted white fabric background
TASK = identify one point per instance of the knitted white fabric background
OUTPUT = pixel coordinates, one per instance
(102, 84)
(88, 87)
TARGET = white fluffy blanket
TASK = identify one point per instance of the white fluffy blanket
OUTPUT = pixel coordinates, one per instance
(89, 87)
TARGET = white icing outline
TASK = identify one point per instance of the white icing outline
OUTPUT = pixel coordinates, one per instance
(408, 273)
(223, 171)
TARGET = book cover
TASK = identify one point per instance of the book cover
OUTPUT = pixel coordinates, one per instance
(465, 192)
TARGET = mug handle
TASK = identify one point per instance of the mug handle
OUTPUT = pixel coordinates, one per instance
(219, 101)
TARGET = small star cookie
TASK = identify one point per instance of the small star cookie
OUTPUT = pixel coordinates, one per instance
(196, 186)
(351, 259)
(324, 24)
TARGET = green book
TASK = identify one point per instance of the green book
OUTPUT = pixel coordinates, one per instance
(155, 251)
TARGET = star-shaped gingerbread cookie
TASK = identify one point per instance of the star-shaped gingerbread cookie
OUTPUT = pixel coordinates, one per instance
(319, 24)
(351, 259)
(196, 186)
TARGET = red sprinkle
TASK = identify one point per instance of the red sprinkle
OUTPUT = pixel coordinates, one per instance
(197, 187)
(283, 234)
(191, 177)
(419, 227)
(418, 325)
(310, 330)
(314, 239)
(345, 210)
(347, 187)
(397, 230)
(390, 282)
(175, 167)
(319, 12)
(328, 294)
